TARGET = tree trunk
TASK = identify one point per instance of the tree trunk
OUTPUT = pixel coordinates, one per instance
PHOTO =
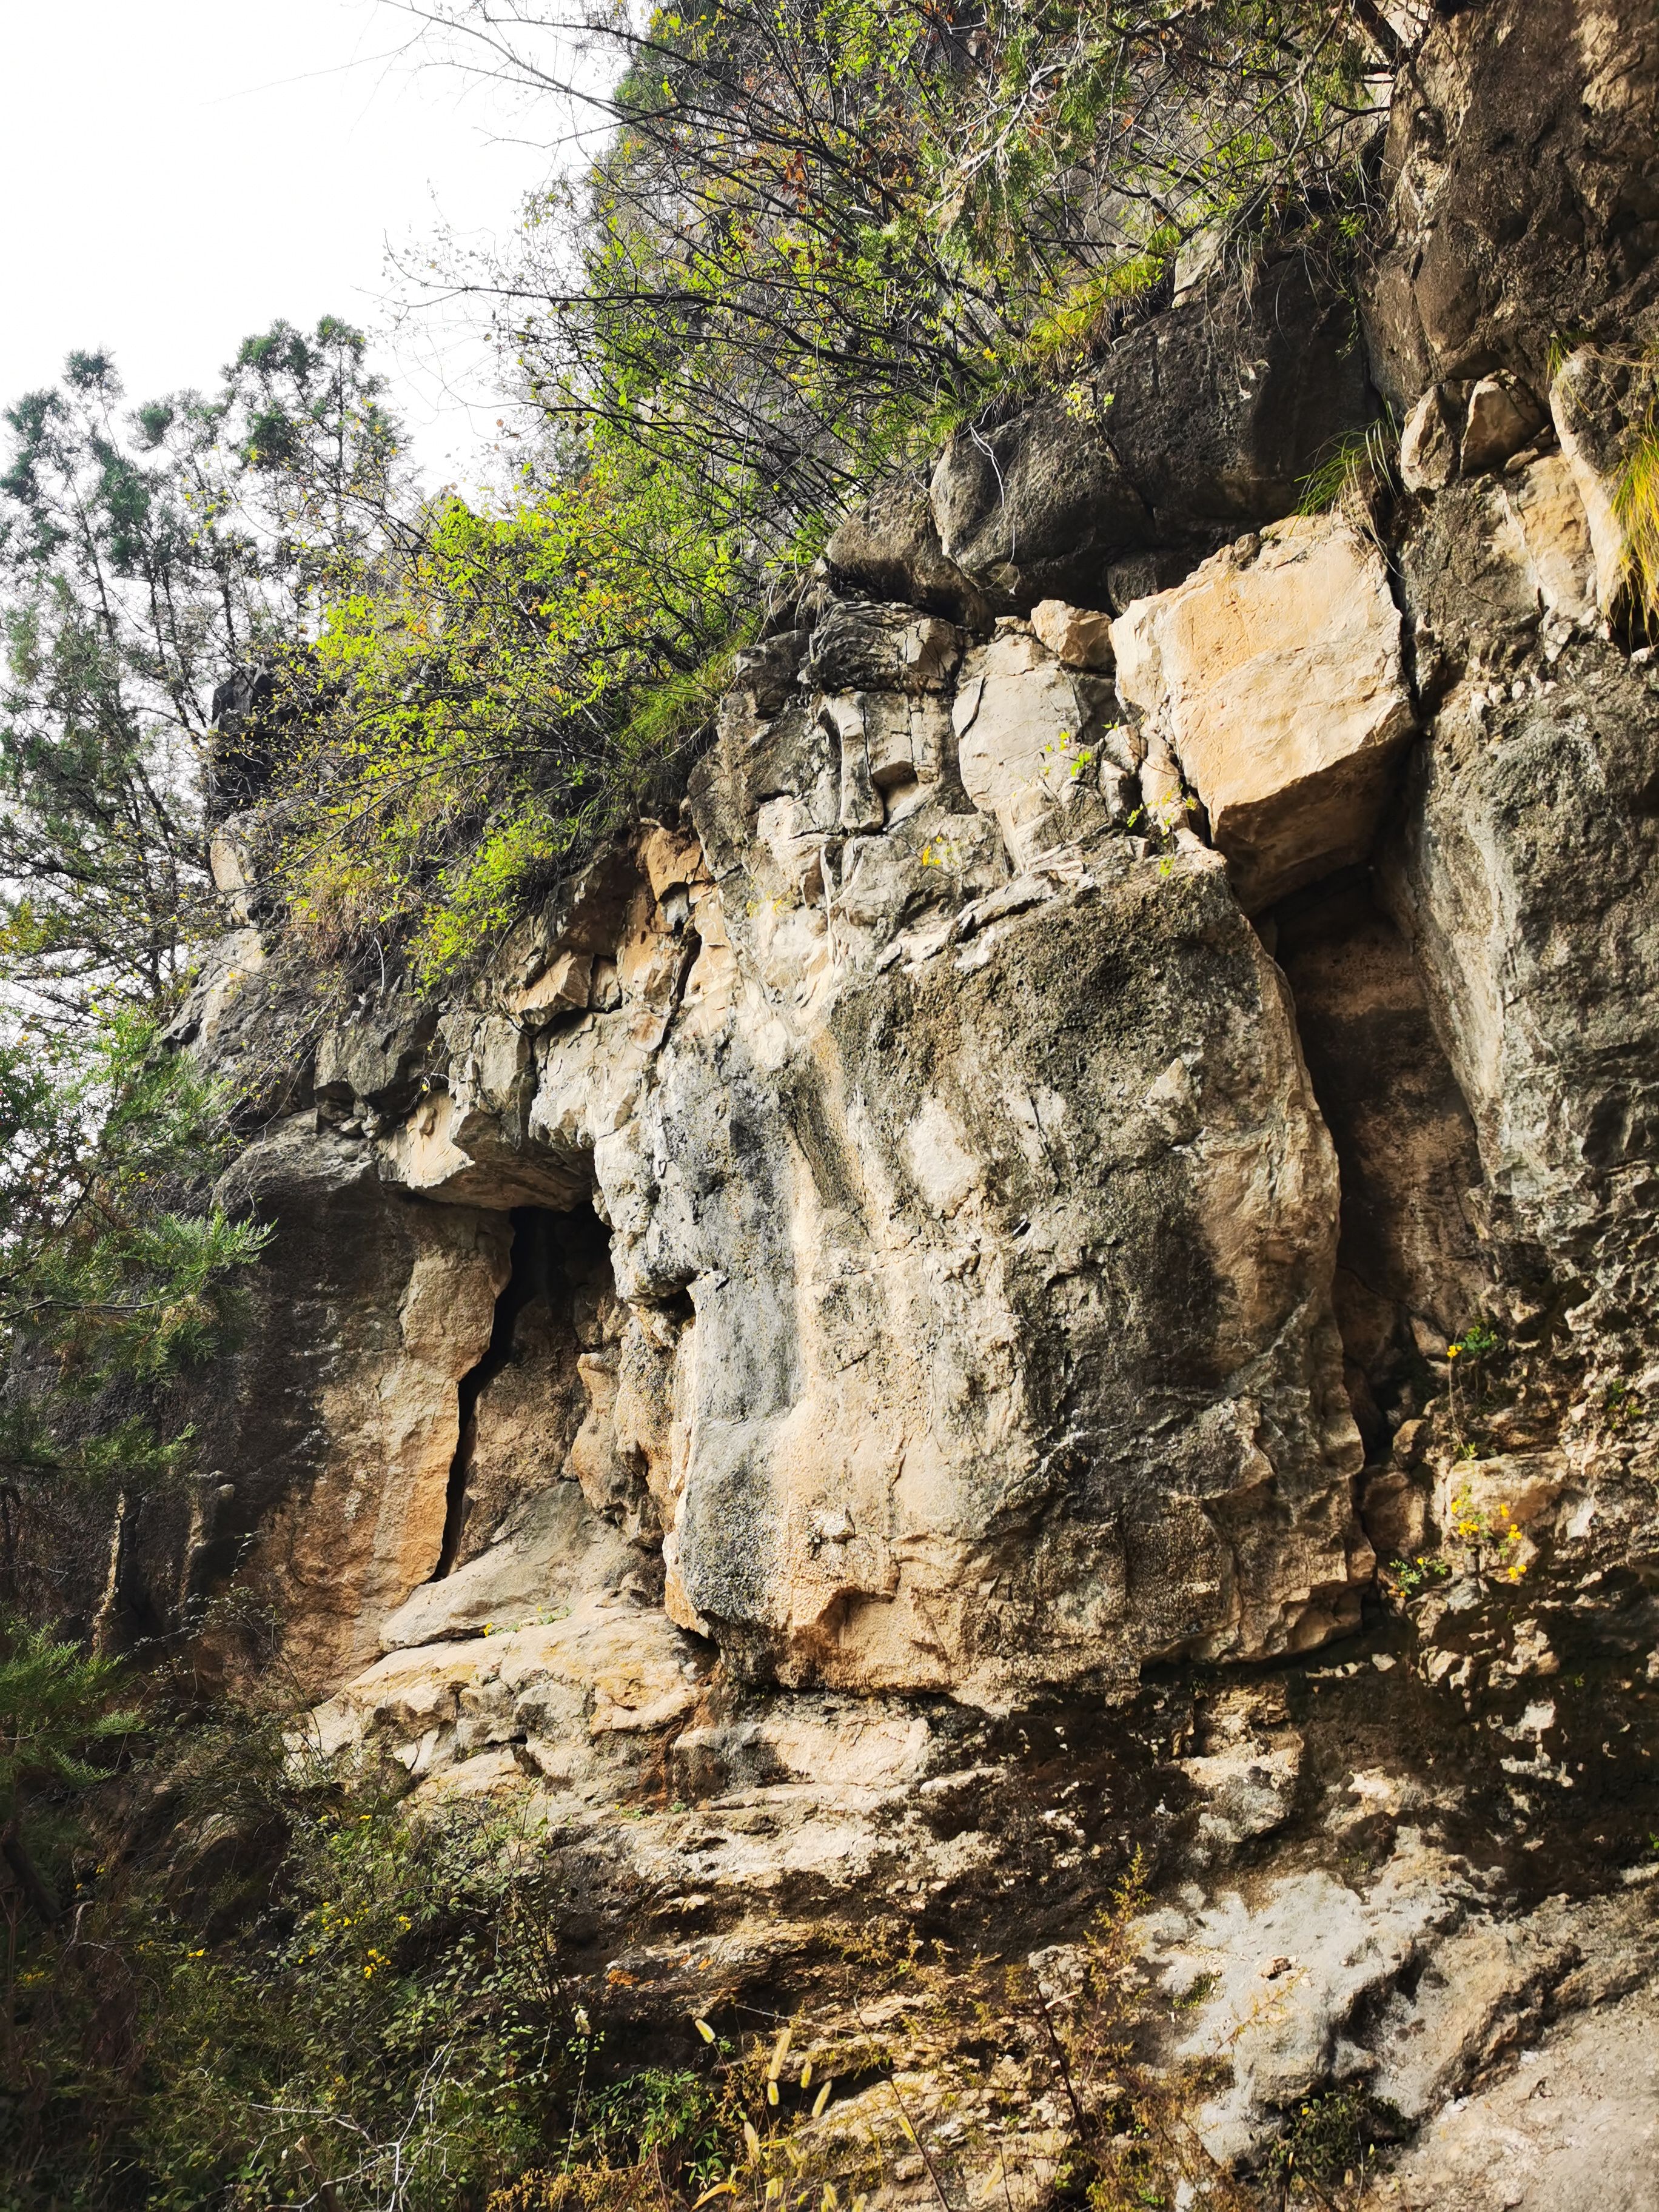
(15, 1854)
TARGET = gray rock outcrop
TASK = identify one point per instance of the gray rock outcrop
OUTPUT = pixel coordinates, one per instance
(1110, 1144)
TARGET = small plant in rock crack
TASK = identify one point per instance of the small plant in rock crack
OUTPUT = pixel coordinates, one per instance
(1490, 1535)
(1158, 824)
(1328, 2147)
(941, 852)
(1467, 1359)
(1636, 509)
(1621, 1404)
(1067, 759)
(1415, 1574)
(1478, 1341)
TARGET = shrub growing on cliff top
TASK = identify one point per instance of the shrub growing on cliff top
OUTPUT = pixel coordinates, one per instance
(822, 231)
(815, 237)
(810, 237)
(509, 688)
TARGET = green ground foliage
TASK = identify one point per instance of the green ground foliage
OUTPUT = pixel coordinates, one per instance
(255, 1985)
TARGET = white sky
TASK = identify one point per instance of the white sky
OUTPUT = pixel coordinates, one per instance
(177, 173)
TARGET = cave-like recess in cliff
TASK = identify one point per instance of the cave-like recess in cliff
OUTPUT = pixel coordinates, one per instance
(542, 1240)
(1404, 1138)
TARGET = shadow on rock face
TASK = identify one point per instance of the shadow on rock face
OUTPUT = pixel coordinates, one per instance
(1198, 424)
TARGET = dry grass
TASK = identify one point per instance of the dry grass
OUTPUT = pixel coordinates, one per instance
(927, 2082)
(1636, 506)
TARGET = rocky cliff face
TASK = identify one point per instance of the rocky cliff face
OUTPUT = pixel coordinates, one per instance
(1121, 1116)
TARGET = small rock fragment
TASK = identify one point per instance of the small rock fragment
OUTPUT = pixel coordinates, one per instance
(1503, 417)
(1080, 637)
(1429, 443)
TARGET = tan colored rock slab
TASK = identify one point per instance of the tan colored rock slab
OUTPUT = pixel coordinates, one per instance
(589, 1683)
(1274, 673)
(565, 982)
(1080, 637)
(1549, 536)
(1503, 417)
(1428, 444)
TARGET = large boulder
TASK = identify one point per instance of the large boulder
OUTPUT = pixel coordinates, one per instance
(1011, 1360)
(889, 549)
(1198, 424)
(1523, 874)
(1523, 165)
(1274, 674)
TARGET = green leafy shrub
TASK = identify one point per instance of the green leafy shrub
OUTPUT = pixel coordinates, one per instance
(284, 1992)
(515, 687)
(818, 236)
(1329, 2144)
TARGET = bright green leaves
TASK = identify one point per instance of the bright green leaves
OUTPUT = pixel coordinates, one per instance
(516, 685)
(827, 232)
(825, 235)
(100, 1268)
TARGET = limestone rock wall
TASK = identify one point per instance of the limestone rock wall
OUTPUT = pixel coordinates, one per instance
(972, 1224)
(1113, 1136)
(954, 1252)
(974, 1203)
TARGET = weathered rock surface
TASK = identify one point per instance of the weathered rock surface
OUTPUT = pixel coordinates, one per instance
(601, 1667)
(1522, 873)
(1077, 635)
(1409, 1257)
(1112, 1136)
(1524, 182)
(1431, 441)
(890, 548)
(1274, 675)
(1197, 425)
(340, 1443)
(931, 1255)
(1027, 732)
(1502, 417)
(934, 1367)
(1280, 1985)
(1542, 2033)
